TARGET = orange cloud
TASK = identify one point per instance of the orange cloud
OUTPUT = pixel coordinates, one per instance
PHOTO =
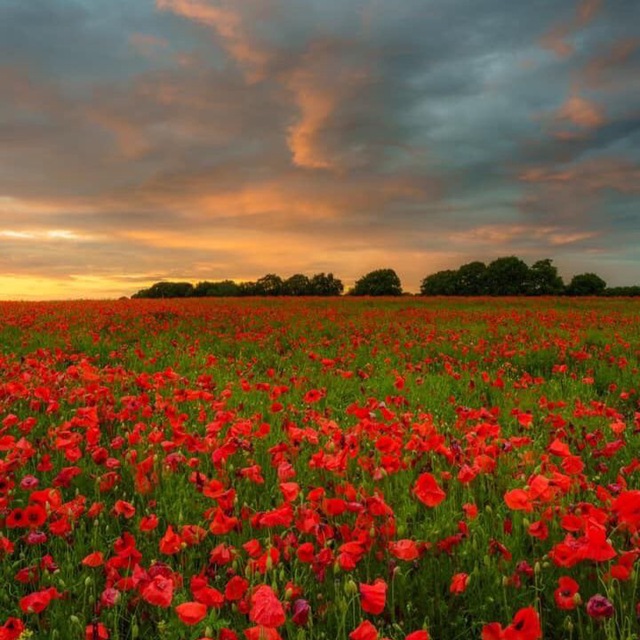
(130, 138)
(592, 175)
(581, 112)
(598, 71)
(231, 26)
(508, 234)
(556, 38)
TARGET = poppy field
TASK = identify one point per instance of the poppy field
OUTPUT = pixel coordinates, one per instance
(359, 469)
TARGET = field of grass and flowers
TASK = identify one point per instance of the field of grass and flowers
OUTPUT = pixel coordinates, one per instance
(320, 469)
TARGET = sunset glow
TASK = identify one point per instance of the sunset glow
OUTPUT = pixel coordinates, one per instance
(211, 139)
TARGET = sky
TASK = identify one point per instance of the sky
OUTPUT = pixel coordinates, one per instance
(143, 140)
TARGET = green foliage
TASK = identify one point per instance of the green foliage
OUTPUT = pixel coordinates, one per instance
(167, 290)
(297, 285)
(586, 284)
(271, 284)
(442, 283)
(507, 277)
(325, 285)
(544, 279)
(221, 289)
(382, 282)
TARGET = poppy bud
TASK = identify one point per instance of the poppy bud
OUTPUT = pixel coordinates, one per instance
(350, 588)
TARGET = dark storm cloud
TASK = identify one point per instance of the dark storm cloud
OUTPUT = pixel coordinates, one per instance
(211, 138)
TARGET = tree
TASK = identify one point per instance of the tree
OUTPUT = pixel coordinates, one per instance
(441, 283)
(586, 284)
(325, 285)
(507, 277)
(297, 285)
(471, 279)
(544, 279)
(269, 285)
(382, 282)
(166, 290)
(220, 289)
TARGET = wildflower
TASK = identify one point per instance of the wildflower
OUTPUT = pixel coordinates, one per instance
(600, 607)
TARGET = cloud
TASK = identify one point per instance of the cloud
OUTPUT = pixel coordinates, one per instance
(580, 112)
(556, 39)
(210, 138)
(229, 23)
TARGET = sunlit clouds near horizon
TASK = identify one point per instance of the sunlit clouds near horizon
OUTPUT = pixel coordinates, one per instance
(194, 140)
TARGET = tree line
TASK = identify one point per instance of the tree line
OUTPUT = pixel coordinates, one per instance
(506, 276)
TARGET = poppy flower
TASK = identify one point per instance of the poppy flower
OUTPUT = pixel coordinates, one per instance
(236, 588)
(159, 592)
(300, 612)
(96, 631)
(11, 629)
(421, 634)
(599, 607)
(459, 583)
(191, 613)
(518, 500)
(124, 508)
(205, 594)
(34, 516)
(404, 549)
(94, 559)
(38, 601)
(266, 610)
(428, 491)
(364, 631)
(373, 597)
(565, 594)
(16, 519)
(525, 626)
(171, 542)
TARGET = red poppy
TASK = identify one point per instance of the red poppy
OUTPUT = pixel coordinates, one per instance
(262, 633)
(159, 591)
(191, 612)
(565, 594)
(525, 626)
(148, 523)
(38, 601)
(266, 609)
(96, 631)
(94, 559)
(421, 634)
(459, 583)
(236, 588)
(123, 508)
(518, 500)
(373, 597)
(16, 519)
(34, 516)
(404, 549)
(205, 594)
(627, 508)
(364, 631)
(12, 629)
(428, 491)
(171, 542)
